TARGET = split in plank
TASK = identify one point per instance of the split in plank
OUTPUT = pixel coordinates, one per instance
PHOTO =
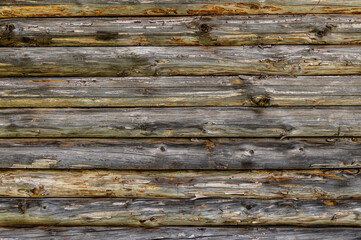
(176, 212)
(181, 91)
(180, 122)
(180, 154)
(175, 61)
(69, 8)
(181, 31)
(231, 233)
(271, 184)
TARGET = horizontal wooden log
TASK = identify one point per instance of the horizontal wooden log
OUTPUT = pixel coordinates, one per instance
(176, 154)
(272, 184)
(178, 31)
(134, 233)
(55, 8)
(175, 212)
(181, 122)
(172, 61)
(181, 91)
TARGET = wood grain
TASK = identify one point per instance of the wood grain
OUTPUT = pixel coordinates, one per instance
(182, 31)
(232, 233)
(176, 154)
(290, 184)
(181, 91)
(180, 122)
(176, 61)
(176, 212)
(54, 8)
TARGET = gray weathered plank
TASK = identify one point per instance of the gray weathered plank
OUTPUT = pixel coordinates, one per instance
(181, 122)
(167, 154)
(231, 233)
(55, 8)
(271, 184)
(180, 91)
(175, 212)
(178, 31)
(171, 61)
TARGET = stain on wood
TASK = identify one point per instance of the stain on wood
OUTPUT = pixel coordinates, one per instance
(182, 31)
(175, 61)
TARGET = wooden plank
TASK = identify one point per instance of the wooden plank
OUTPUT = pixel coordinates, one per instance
(175, 212)
(173, 61)
(181, 91)
(54, 8)
(271, 184)
(176, 154)
(232, 233)
(180, 31)
(180, 122)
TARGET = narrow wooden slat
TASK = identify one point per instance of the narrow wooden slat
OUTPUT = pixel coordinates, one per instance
(175, 212)
(180, 31)
(181, 122)
(55, 8)
(299, 184)
(168, 61)
(167, 154)
(181, 91)
(134, 233)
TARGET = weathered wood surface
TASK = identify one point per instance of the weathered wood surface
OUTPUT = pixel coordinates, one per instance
(175, 212)
(181, 122)
(176, 154)
(231, 233)
(55, 8)
(181, 31)
(271, 184)
(180, 91)
(170, 61)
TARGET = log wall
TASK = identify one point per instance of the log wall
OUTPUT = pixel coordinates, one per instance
(177, 119)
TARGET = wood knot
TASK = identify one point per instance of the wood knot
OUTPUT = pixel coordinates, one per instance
(10, 28)
(321, 32)
(261, 100)
(22, 206)
(36, 192)
(205, 28)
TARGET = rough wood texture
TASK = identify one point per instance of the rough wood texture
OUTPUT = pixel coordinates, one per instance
(291, 184)
(231, 233)
(181, 91)
(175, 212)
(168, 61)
(181, 31)
(56, 8)
(181, 122)
(176, 154)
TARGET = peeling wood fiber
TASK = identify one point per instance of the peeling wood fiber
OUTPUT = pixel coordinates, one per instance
(175, 61)
(181, 122)
(261, 184)
(181, 31)
(181, 91)
(70, 8)
(176, 154)
(176, 212)
(231, 233)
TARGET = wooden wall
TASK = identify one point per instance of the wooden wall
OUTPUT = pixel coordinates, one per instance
(177, 119)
